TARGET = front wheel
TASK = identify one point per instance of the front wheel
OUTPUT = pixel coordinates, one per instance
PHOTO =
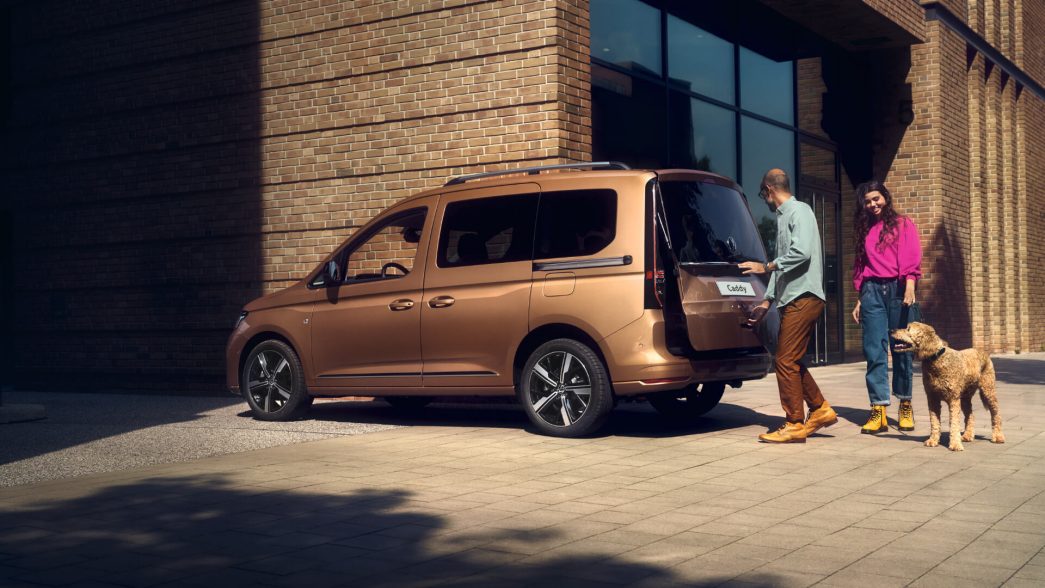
(565, 389)
(690, 402)
(273, 382)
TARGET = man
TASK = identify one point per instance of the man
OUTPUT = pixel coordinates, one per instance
(796, 284)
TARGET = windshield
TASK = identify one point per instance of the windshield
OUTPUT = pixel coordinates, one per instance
(709, 223)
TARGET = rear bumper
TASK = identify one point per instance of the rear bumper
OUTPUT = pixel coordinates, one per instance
(641, 364)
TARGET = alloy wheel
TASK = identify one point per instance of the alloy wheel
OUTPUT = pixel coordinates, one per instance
(560, 388)
(270, 380)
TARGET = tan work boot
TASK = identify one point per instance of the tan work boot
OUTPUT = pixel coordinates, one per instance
(824, 416)
(877, 422)
(787, 433)
(905, 418)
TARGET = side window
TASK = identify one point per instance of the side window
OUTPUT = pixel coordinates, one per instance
(574, 223)
(487, 230)
(389, 252)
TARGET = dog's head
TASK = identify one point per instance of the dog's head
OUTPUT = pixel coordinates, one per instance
(919, 338)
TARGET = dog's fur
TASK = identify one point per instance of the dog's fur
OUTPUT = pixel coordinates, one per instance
(952, 377)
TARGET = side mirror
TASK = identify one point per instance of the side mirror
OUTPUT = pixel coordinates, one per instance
(332, 273)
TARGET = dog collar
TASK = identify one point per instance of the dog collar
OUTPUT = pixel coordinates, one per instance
(938, 353)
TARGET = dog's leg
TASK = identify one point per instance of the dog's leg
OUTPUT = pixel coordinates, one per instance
(970, 423)
(934, 418)
(990, 401)
(954, 406)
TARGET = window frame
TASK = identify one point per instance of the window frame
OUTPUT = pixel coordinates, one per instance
(442, 243)
(613, 229)
(359, 239)
(666, 87)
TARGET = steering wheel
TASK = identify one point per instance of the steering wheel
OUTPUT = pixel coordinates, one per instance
(384, 269)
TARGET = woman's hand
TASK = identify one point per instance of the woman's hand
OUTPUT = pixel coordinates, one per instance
(908, 294)
(856, 312)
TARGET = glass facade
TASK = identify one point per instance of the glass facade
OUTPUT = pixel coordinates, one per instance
(667, 93)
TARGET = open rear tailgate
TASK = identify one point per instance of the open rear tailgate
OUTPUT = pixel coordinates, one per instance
(716, 301)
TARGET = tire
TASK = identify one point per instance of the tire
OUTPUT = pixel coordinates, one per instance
(690, 402)
(570, 402)
(408, 403)
(278, 392)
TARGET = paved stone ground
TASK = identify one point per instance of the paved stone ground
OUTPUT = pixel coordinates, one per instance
(470, 497)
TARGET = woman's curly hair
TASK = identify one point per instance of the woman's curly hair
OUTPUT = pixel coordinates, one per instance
(863, 220)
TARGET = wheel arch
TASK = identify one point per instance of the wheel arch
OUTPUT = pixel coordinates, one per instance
(254, 341)
(545, 333)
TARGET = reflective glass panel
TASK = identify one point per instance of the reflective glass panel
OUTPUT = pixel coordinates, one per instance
(703, 136)
(628, 122)
(575, 223)
(765, 147)
(767, 87)
(709, 223)
(699, 61)
(488, 230)
(626, 33)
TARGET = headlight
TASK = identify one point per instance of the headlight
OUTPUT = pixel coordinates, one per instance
(242, 315)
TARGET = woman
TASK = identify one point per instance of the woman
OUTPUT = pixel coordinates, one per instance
(887, 268)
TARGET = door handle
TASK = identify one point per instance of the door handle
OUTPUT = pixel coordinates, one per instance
(441, 301)
(401, 304)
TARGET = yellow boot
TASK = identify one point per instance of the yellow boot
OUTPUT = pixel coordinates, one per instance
(877, 422)
(905, 418)
(787, 433)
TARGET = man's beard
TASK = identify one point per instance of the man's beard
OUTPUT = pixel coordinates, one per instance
(771, 205)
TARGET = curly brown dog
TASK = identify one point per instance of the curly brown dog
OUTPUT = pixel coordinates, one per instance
(953, 377)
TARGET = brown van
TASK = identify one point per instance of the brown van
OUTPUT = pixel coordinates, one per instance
(567, 286)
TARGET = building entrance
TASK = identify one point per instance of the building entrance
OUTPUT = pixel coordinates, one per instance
(819, 187)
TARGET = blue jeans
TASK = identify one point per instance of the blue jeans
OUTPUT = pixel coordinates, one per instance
(881, 310)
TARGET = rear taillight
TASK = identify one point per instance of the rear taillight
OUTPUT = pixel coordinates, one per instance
(653, 282)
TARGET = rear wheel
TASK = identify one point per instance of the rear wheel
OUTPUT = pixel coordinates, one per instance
(273, 382)
(690, 402)
(408, 403)
(565, 389)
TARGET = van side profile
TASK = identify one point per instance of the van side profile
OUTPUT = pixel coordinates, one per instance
(566, 286)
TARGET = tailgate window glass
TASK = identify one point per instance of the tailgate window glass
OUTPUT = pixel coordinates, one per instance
(709, 223)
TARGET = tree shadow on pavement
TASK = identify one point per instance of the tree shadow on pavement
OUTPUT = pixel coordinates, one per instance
(207, 530)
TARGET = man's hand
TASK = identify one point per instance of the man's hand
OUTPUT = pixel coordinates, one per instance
(757, 314)
(856, 312)
(752, 267)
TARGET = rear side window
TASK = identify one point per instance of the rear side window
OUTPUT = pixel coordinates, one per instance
(487, 230)
(575, 223)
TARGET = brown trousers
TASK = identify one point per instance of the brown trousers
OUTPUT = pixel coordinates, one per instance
(797, 319)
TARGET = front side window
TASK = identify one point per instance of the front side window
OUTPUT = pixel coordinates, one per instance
(574, 223)
(389, 252)
(487, 230)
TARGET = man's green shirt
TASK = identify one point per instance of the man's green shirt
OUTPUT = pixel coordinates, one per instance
(799, 261)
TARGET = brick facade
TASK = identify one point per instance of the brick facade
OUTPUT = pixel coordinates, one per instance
(165, 162)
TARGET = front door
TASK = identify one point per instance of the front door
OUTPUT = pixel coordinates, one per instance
(477, 286)
(366, 329)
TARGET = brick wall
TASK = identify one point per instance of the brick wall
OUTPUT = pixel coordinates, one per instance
(168, 162)
(165, 162)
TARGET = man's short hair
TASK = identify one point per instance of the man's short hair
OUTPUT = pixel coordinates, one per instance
(779, 180)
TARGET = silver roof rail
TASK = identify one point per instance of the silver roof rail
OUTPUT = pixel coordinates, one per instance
(536, 170)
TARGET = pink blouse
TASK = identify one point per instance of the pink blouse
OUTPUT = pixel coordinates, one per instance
(900, 255)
